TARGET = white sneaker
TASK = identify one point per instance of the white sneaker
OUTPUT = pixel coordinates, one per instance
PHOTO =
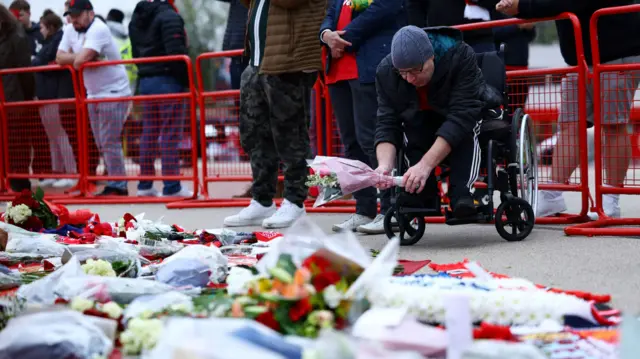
(151, 192)
(374, 227)
(611, 206)
(352, 223)
(65, 183)
(285, 216)
(253, 215)
(550, 203)
(183, 193)
(47, 182)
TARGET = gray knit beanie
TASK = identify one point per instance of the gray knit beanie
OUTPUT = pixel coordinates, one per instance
(410, 48)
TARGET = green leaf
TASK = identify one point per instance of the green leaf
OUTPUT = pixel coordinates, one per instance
(253, 311)
(281, 274)
(286, 263)
(39, 194)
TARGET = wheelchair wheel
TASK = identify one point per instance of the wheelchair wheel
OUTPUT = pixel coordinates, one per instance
(519, 217)
(409, 235)
(524, 154)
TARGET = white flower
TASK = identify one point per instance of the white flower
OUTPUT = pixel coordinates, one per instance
(141, 334)
(332, 296)
(18, 213)
(238, 280)
(81, 304)
(181, 307)
(98, 267)
(112, 309)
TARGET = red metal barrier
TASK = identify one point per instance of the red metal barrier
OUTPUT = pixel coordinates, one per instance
(621, 78)
(158, 139)
(50, 128)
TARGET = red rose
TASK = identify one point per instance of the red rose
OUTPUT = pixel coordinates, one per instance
(316, 263)
(129, 217)
(340, 323)
(300, 309)
(60, 301)
(33, 223)
(103, 229)
(267, 319)
(325, 279)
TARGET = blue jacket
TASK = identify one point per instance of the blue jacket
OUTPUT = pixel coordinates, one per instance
(370, 33)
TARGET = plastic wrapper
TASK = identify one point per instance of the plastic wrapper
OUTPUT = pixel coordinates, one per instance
(12, 259)
(492, 349)
(232, 339)
(60, 334)
(36, 245)
(184, 272)
(42, 291)
(156, 303)
(332, 344)
(211, 256)
(157, 249)
(305, 238)
(119, 290)
(9, 281)
(123, 264)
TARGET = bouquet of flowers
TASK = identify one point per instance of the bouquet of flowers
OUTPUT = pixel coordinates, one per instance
(360, 5)
(299, 300)
(337, 177)
(29, 211)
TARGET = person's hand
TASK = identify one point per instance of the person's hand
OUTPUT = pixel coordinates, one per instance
(415, 178)
(334, 40)
(384, 170)
(527, 26)
(337, 53)
(508, 7)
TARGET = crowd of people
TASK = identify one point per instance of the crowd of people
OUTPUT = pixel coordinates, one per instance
(156, 29)
(384, 73)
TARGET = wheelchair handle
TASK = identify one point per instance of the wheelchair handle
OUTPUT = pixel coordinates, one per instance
(397, 181)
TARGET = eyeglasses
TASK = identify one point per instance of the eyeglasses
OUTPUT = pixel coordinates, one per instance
(414, 71)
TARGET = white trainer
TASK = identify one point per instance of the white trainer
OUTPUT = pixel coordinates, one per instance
(374, 227)
(352, 223)
(550, 203)
(284, 216)
(183, 193)
(47, 182)
(250, 216)
(151, 192)
(611, 206)
(65, 183)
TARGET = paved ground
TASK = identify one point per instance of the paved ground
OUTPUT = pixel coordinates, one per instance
(603, 265)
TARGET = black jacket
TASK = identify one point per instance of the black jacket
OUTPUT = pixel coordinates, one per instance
(15, 52)
(517, 42)
(52, 84)
(617, 34)
(236, 26)
(430, 13)
(35, 38)
(457, 92)
(156, 29)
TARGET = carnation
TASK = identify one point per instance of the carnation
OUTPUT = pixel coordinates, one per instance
(98, 267)
(141, 334)
(18, 214)
(81, 304)
(112, 309)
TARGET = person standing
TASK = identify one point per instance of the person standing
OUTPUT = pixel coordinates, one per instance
(275, 92)
(89, 40)
(53, 85)
(355, 43)
(156, 29)
(114, 21)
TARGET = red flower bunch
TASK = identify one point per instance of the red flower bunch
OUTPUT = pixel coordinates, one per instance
(29, 211)
(322, 274)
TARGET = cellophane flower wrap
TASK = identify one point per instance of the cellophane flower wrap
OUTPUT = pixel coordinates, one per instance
(337, 177)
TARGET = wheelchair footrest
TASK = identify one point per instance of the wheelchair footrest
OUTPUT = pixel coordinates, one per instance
(453, 221)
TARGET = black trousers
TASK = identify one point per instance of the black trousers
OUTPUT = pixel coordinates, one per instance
(463, 161)
(355, 106)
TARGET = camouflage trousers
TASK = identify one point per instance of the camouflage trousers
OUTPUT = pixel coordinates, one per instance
(274, 127)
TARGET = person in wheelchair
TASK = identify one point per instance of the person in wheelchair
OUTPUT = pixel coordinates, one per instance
(432, 98)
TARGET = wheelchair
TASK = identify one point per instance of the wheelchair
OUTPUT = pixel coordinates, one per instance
(508, 146)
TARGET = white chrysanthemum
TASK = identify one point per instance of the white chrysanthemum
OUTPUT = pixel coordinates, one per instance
(98, 267)
(181, 307)
(112, 309)
(141, 334)
(81, 304)
(18, 213)
(332, 296)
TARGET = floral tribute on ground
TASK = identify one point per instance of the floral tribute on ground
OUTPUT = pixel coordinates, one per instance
(142, 288)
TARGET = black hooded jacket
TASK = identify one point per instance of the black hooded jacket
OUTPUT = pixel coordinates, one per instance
(156, 29)
(35, 38)
(457, 92)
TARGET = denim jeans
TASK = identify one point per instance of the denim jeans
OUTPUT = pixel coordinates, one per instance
(107, 121)
(163, 123)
